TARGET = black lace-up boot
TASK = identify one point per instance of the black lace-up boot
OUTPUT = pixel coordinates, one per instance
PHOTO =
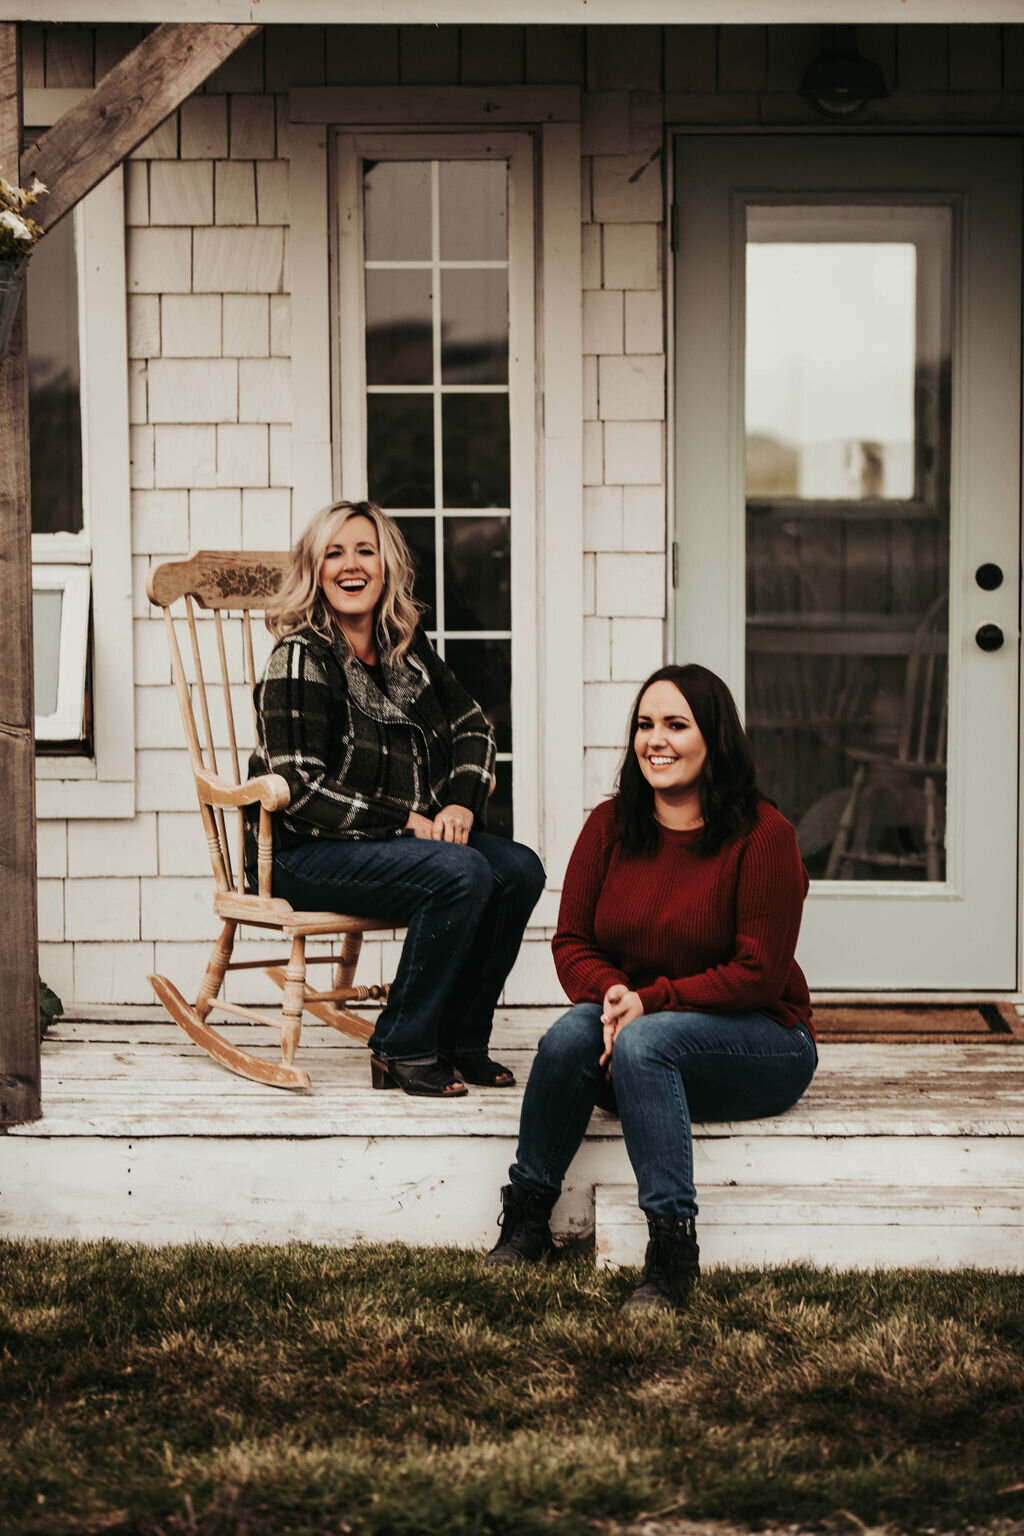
(525, 1234)
(671, 1265)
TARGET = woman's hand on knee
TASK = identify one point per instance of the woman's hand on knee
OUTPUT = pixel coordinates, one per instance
(453, 824)
(621, 1007)
(420, 826)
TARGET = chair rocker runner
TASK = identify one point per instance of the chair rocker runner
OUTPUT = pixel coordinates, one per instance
(232, 586)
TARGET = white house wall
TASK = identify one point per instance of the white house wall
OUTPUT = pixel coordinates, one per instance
(208, 300)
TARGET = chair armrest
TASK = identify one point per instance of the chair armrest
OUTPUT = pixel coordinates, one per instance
(270, 790)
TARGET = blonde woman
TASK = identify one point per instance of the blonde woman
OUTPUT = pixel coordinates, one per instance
(390, 763)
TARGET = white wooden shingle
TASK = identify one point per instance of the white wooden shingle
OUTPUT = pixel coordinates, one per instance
(132, 852)
(238, 260)
(159, 260)
(643, 517)
(137, 408)
(190, 326)
(606, 709)
(631, 388)
(590, 389)
(235, 192)
(185, 455)
(136, 192)
(141, 467)
(600, 766)
(159, 522)
(633, 452)
(604, 128)
(176, 907)
(151, 663)
(280, 325)
(265, 389)
(242, 455)
(105, 908)
(644, 322)
(181, 192)
(631, 585)
(591, 238)
(50, 910)
(597, 642)
(246, 325)
(602, 320)
(626, 189)
(215, 519)
(266, 519)
(103, 971)
(187, 390)
(593, 453)
(637, 648)
(252, 128)
(602, 517)
(204, 128)
(163, 779)
(181, 845)
(143, 325)
(631, 255)
(162, 143)
(281, 458)
(51, 849)
(272, 191)
(157, 724)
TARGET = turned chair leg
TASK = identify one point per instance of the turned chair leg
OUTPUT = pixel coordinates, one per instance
(931, 831)
(294, 997)
(844, 832)
(345, 970)
(218, 963)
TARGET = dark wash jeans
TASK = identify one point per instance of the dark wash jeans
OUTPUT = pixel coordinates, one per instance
(668, 1069)
(466, 907)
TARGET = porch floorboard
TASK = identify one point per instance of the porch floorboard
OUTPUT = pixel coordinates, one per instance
(144, 1138)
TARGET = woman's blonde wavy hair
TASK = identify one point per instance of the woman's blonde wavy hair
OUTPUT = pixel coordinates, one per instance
(299, 602)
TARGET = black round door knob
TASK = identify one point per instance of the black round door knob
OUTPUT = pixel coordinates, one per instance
(989, 576)
(989, 637)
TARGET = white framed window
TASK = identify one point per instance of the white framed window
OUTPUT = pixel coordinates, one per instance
(60, 638)
(434, 390)
(537, 131)
(81, 500)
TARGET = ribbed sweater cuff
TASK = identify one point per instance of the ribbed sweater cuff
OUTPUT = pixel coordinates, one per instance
(656, 999)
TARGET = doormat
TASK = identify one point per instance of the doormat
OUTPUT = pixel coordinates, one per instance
(919, 1023)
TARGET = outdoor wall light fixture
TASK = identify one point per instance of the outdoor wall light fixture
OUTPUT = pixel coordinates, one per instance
(839, 81)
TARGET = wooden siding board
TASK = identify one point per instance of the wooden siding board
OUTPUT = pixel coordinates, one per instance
(295, 56)
(69, 56)
(742, 58)
(494, 55)
(555, 55)
(975, 58)
(243, 71)
(33, 56)
(922, 58)
(362, 55)
(691, 58)
(624, 58)
(112, 44)
(428, 55)
(790, 50)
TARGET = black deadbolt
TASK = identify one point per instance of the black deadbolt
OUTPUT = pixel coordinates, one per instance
(988, 576)
(989, 637)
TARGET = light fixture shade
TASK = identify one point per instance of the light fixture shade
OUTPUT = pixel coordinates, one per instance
(840, 81)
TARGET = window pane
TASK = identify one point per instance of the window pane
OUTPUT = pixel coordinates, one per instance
(399, 328)
(830, 370)
(419, 535)
(55, 417)
(499, 807)
(476, 450)
(474, 327)
(400, 450)
(46, 618)
(397, 210)
(477, 573)
(474, 210)
(484, 668)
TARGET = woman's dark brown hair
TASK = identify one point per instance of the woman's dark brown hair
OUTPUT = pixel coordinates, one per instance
(728, 784)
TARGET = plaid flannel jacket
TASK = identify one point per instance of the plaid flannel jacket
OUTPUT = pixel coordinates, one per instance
(358, 760)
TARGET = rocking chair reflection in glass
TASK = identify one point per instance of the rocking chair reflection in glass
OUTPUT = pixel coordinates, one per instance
(906, 787)
(229, 588)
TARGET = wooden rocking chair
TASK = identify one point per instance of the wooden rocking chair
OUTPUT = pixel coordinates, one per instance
(228, 584)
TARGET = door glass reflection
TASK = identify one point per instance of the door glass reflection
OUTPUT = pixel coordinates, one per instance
(847, 495)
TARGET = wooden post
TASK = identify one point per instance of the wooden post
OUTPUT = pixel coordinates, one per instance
(19, 976)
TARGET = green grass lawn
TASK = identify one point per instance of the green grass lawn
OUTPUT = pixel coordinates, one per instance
(387, 1389)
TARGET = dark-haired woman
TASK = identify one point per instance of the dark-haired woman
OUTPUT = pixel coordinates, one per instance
(675, 943)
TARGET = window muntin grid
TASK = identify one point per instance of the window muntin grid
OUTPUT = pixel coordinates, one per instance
(438, 436)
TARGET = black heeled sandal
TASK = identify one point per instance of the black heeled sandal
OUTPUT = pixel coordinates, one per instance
(477, 1067)
(427, 1079)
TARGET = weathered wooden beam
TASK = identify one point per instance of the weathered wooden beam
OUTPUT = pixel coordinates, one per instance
(19, 983)
(123, 110)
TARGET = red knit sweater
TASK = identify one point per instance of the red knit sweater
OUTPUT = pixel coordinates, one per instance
(685, 931)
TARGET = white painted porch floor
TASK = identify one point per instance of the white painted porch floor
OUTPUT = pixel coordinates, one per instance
(909, 1154)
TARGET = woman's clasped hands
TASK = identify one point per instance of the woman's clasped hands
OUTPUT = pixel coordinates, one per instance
(453, 824)
(620, 1007)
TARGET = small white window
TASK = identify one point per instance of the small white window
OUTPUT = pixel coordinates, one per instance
(60, 631)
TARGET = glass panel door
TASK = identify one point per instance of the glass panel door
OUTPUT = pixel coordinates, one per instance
(847, 348)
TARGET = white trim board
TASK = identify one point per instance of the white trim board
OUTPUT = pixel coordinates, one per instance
(536, 12)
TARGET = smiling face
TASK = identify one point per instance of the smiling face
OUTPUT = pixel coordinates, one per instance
(669, 746)
(352, 573)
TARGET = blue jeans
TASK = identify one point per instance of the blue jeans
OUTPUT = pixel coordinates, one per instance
(466, 907)
(667, 1069)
